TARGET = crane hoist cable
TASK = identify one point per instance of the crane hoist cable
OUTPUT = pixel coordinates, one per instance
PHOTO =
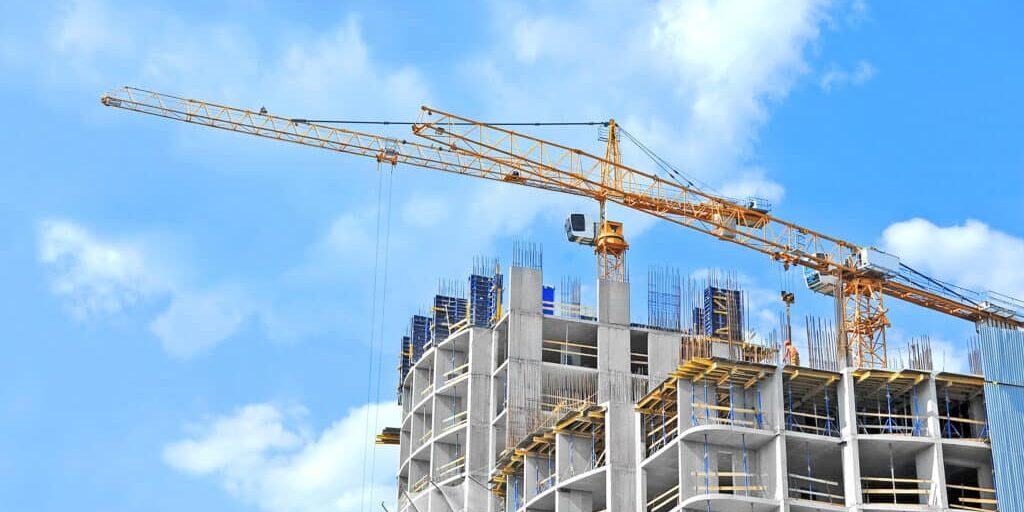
(373, 328)
(383, 308)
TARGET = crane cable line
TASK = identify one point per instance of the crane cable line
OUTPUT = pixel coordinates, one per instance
(380, 333)
(373, 332)
(674, 173)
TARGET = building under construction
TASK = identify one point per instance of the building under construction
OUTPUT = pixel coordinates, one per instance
(537, 404)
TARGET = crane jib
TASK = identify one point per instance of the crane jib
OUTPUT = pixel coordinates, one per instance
(463, 146)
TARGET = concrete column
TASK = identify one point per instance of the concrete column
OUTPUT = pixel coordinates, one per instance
(978, 412)
(479, 406)
(930, 467)
(848, 431)
(772, 400)
(614, 389)
(524, 293)
(614, 379)
(662, 355)
(612, 302)
(685, 397)
(985, 478)
(781, 469)
(928, 406)
(525, 342)
(620, 441)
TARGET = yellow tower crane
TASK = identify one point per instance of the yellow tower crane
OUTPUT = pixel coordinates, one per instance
(859, 277)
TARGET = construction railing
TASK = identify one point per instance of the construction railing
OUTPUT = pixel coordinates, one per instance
(426, 436)
(638, 363)
(453, 374)
(896, 490)
(729, 482)
(660, 428)
(571, 353)
(566, 310)
(891, 423)
(966, 497)
(725, 415)
(815, 489)
(457, 326)
(452, 468)
(454, 421)
(665, 501)
(812, 423)
(421, 484)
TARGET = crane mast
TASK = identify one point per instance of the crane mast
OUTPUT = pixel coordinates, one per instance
(858, 277)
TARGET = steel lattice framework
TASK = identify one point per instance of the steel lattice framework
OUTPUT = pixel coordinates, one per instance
(461, 145)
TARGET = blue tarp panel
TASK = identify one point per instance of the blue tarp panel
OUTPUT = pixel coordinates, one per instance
(1002, 352)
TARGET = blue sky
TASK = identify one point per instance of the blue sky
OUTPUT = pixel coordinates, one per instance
(186, 314)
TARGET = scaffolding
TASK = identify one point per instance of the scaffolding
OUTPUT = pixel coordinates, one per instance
(897, 405)
(725, 392)
(811, 401)
(961, 407)
(580, 423)
(659, 416)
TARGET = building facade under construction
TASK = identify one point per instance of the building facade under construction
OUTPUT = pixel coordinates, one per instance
(514, 400)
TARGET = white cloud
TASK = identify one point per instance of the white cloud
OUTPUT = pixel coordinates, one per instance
(261, 456)
(693, 79)
(972, 254)
(308, 74)
(94, 276)
(730, 56)
(753, 182)
(251, 432)
(98, 277)
(837, 77)
(196, 321)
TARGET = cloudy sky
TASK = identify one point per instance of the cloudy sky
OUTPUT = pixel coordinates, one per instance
(188, 318)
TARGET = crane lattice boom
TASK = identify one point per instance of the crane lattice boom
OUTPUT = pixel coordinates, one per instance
(460, 145)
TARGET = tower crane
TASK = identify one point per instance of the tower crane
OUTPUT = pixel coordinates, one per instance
(858, 277)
